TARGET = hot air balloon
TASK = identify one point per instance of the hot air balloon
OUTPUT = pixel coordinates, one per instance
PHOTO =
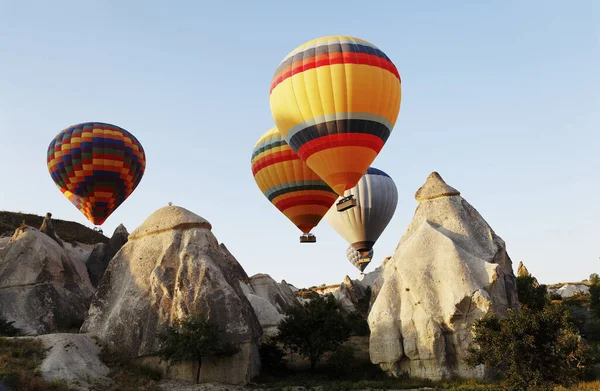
(361, 226)
(335, 100)
(359, 260)
(96, 166)
(289, 184)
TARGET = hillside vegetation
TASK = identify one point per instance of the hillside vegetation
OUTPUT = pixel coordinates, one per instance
(69, 231)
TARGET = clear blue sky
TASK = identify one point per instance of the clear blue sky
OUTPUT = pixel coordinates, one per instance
(499, 97)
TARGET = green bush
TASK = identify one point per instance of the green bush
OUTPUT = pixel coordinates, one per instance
(540, 349)
(20, 360)
(531, 294)
(272, 359)
(579, 315)
(7, 329)
(578, 299)
(595, 299)
(341, 361)
(591, 330)
(555, 296)
(358, 324)
(595, 352)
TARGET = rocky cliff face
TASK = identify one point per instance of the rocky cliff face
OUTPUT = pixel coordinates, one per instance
(279, 294)
(44, 287)
(172, 266)
(449, 269)
(102, 253)
(269, 300)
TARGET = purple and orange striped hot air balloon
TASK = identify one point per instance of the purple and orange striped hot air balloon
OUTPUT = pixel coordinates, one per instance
(335, 101)
(289, 184)
(96, 166)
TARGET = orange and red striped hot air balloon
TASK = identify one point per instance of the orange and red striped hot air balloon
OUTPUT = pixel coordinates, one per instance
(335, 100)
(289, 184)
(96, 166)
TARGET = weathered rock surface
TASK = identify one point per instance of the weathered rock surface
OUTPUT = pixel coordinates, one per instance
(353, 295)
(172, 266)
(278, 294)
(48, 228)
(41, 288)
(267, 315)
(368, 279)
(74, 358)
(350, 294)
(78, 252)
(292, 287)
(270, 300)
(3, 242)
(102, 253)
(448, 270)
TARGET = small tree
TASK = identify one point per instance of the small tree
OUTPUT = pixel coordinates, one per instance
(531, 294)
(193, 338)
(594, 278)
(272, 358)
(314, 328)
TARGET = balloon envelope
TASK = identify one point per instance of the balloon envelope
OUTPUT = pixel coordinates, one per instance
(96, 166)
(288, 183)
(359, 260)
(335, 100)
(361, 226)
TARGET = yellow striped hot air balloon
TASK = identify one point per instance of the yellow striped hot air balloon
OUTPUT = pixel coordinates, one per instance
(335, 100)
(289, 184)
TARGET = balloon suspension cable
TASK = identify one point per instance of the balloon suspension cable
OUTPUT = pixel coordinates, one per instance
(308, 238)
(346, 203)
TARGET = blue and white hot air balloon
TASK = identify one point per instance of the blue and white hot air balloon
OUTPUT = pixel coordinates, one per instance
(377, 197)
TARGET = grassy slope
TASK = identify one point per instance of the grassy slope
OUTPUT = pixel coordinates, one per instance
(20, 361)
(69, 231)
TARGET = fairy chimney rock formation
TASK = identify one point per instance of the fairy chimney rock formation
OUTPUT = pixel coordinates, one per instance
(170, 267)
(48, 228)
(522, 270)
(449, 270)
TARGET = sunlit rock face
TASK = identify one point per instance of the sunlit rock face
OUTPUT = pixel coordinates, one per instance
(449, 270)
(172, 266)
(44, 286)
